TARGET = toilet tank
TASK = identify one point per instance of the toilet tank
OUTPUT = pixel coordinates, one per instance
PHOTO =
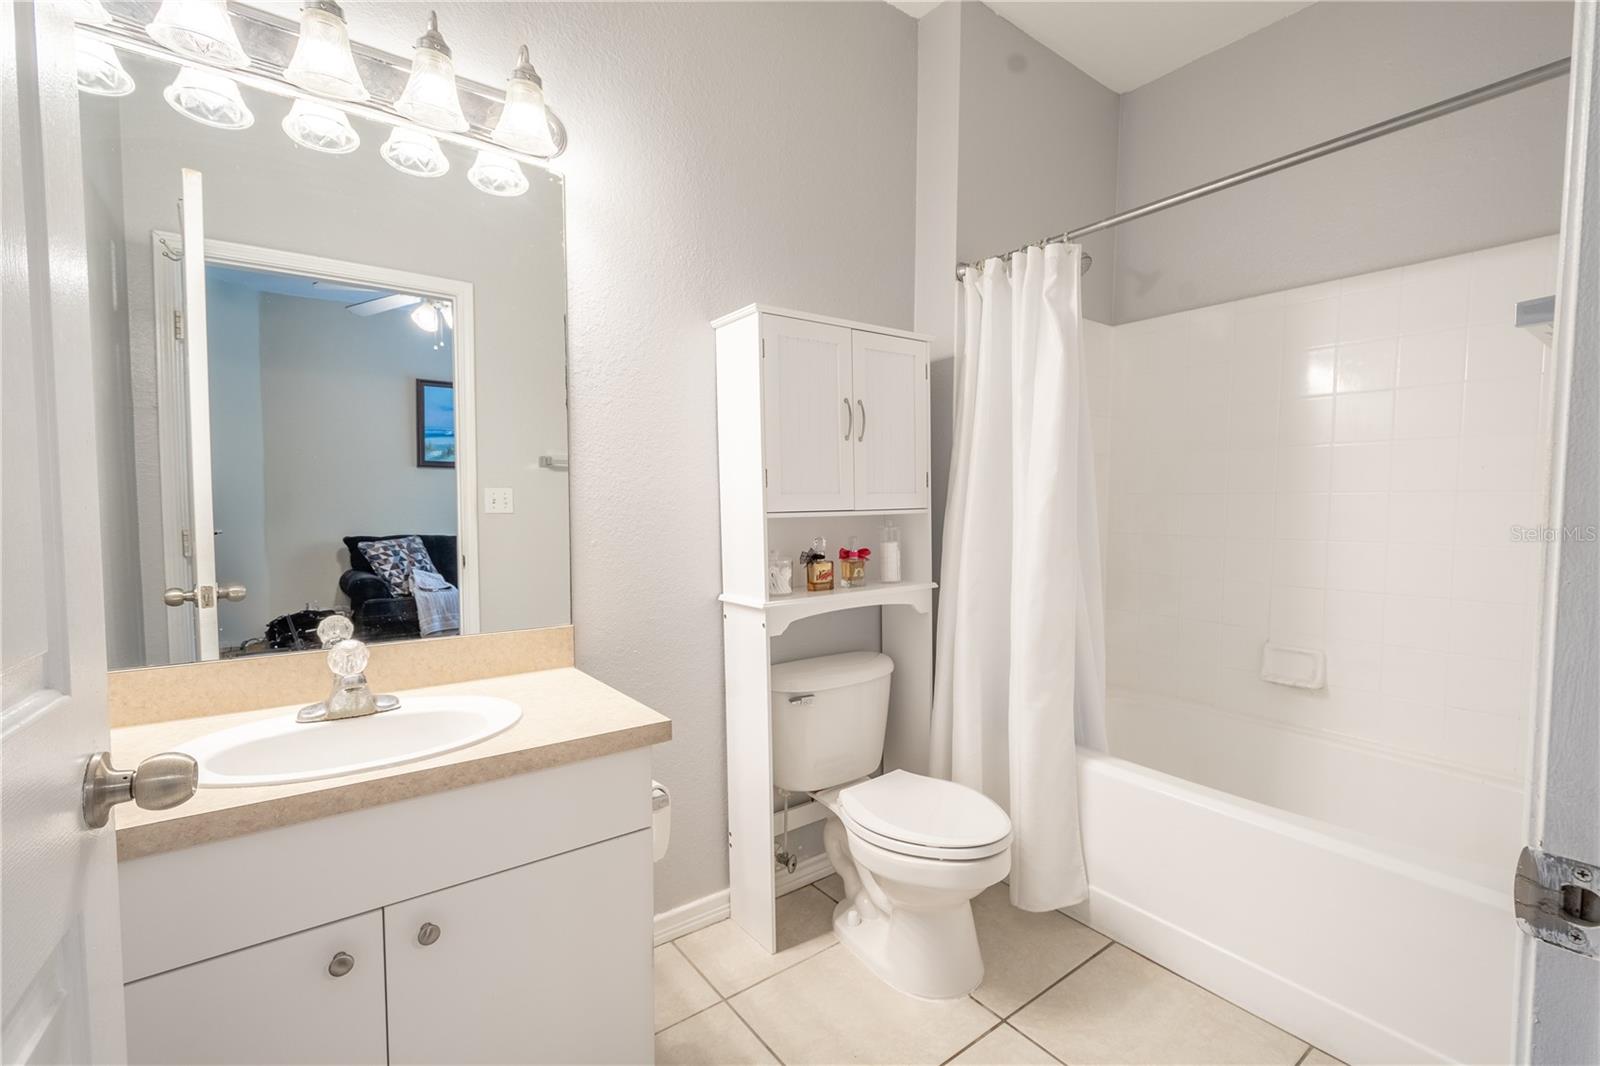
(828, 719)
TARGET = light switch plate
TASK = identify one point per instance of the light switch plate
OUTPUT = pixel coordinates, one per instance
(497, 501)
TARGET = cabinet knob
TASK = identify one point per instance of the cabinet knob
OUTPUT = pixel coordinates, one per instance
(342, 963)
(427, 934)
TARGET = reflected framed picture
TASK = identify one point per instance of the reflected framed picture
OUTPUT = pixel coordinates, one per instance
(436, 423)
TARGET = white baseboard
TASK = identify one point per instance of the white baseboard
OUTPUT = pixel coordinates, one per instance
(1333, 1027)
(709, 910)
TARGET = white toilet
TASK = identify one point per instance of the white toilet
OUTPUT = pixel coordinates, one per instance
(912, 850)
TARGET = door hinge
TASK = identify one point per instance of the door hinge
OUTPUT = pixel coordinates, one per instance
(763, 347)
(730, 838)
(177, 325)
(1557, 900)
(763, 477)
(927, 479)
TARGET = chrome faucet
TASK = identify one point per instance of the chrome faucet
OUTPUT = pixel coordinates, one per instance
(351, 697)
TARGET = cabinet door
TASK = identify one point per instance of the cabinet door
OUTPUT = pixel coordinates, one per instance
(807, 412)
(891, 430)
(277, 1002)
(548, 962)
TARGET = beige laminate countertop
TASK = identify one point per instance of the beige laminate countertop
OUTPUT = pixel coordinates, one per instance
(567, 716)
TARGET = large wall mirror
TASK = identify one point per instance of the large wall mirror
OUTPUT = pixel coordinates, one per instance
(352, 399)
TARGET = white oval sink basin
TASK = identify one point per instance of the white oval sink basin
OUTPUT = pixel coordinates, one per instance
(279, 750)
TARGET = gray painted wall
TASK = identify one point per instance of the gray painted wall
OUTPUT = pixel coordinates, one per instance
(338, 400)
(1487, 176)
(721, 153)
(1038, 149)
(239, 460)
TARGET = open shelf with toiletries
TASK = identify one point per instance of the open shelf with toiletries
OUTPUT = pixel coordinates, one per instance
(823, 454)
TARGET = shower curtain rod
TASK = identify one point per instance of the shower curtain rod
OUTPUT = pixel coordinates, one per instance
(1482, 94)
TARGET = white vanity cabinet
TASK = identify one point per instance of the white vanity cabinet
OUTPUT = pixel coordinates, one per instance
(311, 997)
(843, 415)
(523, 960)
(536, 889)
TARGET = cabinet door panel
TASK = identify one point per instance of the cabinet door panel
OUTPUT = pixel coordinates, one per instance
(807, 410)
(272, 1003)
(891, 436)
(549, 962)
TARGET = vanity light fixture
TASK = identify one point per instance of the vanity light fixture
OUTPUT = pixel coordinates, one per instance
(430, 96)
(497, 174)
(90, 13)
(100, 71)
(524, 123)
(209, 98)
(320, 127)
(414, 152)
(322, 62)
(199, 29)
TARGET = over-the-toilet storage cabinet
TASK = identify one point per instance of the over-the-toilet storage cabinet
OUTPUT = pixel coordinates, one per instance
(822, 430)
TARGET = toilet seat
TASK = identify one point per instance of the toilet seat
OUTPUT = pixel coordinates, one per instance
(924, 817)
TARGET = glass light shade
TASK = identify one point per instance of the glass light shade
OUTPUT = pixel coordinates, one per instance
(524, 124)
(90, 13)
(414, 152)
(320, 127)
(322, 62)
(209, 98)
(426, 317)
(430, 97)
(497, 174)
(100, 71)
(199, 29)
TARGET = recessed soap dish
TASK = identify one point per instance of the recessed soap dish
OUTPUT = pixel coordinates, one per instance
(1296, 667)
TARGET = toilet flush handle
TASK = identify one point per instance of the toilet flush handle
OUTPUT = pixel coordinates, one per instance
(803, 701)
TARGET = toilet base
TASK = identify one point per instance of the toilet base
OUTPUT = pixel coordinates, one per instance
(927, 954)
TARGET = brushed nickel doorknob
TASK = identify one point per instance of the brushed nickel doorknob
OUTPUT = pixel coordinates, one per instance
(159, 782)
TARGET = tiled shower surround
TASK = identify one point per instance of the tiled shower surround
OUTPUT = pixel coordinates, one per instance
(1359, 467)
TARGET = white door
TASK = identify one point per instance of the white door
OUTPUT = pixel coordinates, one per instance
(809, 415)
(313, 997)
(61, 945)
(891, 431)
(1559, 1011)
(194, 589)
(548, 962)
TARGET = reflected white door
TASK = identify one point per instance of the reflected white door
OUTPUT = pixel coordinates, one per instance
(201, 595)
(60, 939)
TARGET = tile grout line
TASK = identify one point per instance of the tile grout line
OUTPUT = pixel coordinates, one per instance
(1029, 1002)
(974, 1042)
(1306, 1054)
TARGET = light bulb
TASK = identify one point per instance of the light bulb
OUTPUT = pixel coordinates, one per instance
(100, 71)
(321, 127)
(414, 152)
(209, 98)
(430, 96)
(200, 29)
(497, 174)
(90, 13)
(322, 61)
(426, 317)
(524, 124)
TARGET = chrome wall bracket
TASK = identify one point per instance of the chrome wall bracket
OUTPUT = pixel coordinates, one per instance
(1557, 900)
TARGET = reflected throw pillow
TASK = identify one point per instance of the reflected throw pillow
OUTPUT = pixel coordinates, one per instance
(395, 559)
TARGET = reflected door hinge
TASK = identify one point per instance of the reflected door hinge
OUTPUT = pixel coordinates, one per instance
(1557, 900)
(177, 325)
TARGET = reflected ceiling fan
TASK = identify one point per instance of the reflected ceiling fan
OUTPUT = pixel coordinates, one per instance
(427, 314)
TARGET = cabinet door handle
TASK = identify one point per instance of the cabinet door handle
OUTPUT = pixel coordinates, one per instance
(863, 434)
(427, 934)
(342, 963)
(849, 417)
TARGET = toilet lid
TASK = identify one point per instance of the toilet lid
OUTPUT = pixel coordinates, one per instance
(924, 811)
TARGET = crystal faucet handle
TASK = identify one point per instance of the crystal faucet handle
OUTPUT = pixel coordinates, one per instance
(334, 628)
(348, 658)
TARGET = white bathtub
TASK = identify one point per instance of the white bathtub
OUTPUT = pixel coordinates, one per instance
(1379, 929)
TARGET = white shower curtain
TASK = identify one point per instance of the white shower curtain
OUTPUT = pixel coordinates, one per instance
(1020, 679)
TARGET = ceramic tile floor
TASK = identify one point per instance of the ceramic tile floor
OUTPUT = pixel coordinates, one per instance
(1055, 992)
